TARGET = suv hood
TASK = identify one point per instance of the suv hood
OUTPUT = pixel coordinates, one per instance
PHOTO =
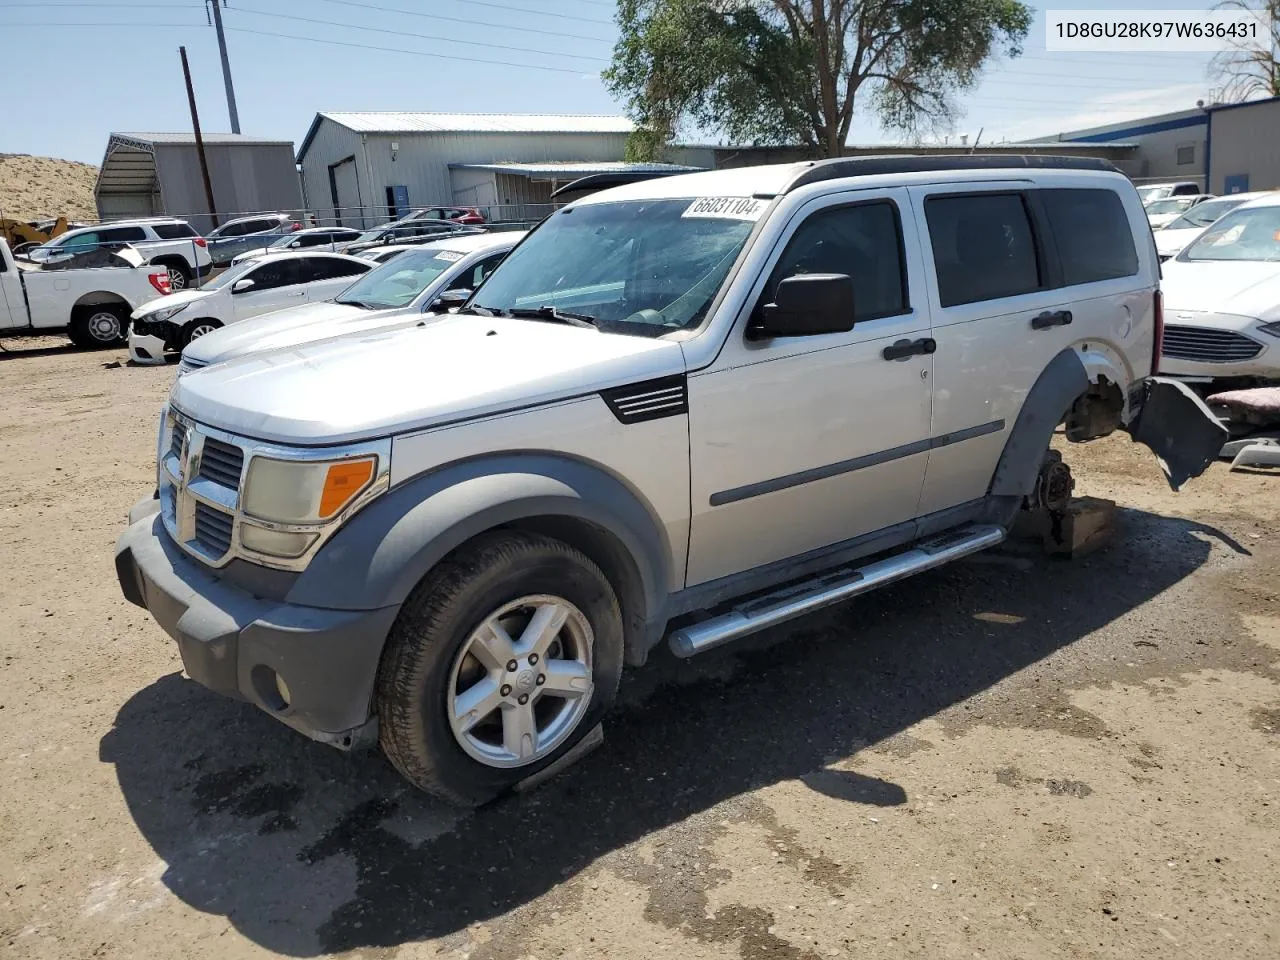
(283, 328)
(391, 382)
(1246, 288)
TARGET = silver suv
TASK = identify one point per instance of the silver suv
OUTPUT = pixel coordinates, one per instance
(688, 408)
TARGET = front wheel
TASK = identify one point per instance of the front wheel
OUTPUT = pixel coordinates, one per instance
(197, 329)
(502, 658)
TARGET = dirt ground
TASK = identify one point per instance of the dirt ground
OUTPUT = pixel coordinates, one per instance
(37, 187)
(1014, 757)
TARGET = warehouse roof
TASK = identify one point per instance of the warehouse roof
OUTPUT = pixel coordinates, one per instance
(400, 122)
(571, 170)
(129, 165)
(182, 137)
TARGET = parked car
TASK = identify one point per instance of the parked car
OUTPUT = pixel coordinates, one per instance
(91, 304)
(1161, 212)
(166, 241)
(245, 290)
(383, 254)
(1222, 299)
(671, 396)
(333, 239)
(245, 234)
(1150, 192)
(1176, 234)
(422, 231)
(468, 215)
(429, 277)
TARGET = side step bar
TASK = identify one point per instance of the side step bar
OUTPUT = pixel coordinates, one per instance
(830, 588)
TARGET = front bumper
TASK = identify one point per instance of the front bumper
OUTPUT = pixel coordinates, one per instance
(146, 348)
(237, 644)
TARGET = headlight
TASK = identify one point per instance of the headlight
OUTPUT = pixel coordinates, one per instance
(1272, 328)
(164, 313)
(293, 491)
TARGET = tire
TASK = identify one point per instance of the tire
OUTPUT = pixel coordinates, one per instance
(197, 329)
(179, 276)
(430, 663)
(95, 328)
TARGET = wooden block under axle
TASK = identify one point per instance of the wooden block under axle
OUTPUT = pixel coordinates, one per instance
(1082, 528)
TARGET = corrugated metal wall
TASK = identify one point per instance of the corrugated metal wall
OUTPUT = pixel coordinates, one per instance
(1246, 141)
(331, 144)
(246, 179)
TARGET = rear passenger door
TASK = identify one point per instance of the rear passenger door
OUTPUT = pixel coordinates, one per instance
(277, 284)
(1003, 309)
(326, 277)
(802, 443)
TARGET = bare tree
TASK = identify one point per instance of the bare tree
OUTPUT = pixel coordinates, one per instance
(1251, 68)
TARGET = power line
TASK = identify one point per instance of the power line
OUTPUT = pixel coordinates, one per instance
(469, 23)
(419, 36)
(537, 13)
(414, 53)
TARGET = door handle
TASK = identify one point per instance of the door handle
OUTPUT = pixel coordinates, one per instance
(1051, 318)
(903, 349)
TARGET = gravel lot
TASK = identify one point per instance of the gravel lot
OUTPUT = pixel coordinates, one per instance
(1013, 757)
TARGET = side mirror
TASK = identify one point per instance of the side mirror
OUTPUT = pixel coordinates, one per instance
(806, 305)
(242, 285)
(296, 243)
(450, 299)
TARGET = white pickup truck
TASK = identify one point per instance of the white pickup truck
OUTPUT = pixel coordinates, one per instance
(92, 304)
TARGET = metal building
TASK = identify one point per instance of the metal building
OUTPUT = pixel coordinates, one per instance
(1171, 146)
(359, 169)
(1243, 146)
(155, 174)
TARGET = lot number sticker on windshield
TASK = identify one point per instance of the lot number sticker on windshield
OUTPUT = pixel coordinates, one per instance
(449, 256)
(727, 208)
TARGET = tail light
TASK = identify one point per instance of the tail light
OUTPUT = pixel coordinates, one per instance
(160, 280)
(201, 242)
(1158, 331)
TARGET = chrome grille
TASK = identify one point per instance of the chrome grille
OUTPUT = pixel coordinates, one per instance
(213, 529)
(178, 436)
(1208, 345)
(222, 463)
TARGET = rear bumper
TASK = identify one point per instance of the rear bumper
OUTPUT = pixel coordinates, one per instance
(1177, 427)
(237, 644)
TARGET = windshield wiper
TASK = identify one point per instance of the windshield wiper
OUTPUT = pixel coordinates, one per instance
(551, 313)
(356, 303)
(478, 310)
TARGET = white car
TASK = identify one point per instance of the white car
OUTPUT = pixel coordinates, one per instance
(1222, 299)
(164, 241)
(392, 294)
(332, 239)
(1160, 212)
(254, 287)
(1151, 192)
(1177, 233)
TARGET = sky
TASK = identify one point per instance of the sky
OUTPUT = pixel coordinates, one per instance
(91, 67)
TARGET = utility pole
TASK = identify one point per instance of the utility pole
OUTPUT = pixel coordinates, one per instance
(195, 124)
(226, 64)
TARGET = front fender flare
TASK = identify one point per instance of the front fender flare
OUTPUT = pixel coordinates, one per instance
(385, 549)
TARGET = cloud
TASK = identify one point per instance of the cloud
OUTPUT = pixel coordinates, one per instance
(1118, 107)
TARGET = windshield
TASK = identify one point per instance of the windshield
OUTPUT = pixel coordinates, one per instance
(1250, 234)
(1203, 214)
(635, 264)
(1172, 205)
(396, 284)
(232, 274)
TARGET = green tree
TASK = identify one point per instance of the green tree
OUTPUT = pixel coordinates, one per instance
(774, 72)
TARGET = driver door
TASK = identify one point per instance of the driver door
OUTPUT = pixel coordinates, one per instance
(802, 443)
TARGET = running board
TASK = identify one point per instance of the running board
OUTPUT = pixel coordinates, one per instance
(830, 588)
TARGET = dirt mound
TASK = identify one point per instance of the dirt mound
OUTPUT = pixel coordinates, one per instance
(37, 187)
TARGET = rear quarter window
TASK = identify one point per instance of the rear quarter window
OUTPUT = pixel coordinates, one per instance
(1092, 234)
(173, 231)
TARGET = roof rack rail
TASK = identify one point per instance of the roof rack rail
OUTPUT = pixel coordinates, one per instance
(842, 167)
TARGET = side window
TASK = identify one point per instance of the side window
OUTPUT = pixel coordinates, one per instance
(483, 269)
(173, 231)
(864, 242)
(1092, 234)
(983, 247)
(123, 235)
(80, 242)
(237, 230)
(274, 273)
(331, 268)
(312, 239)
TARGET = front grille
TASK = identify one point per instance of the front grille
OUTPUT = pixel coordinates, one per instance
(177, 436)
(213, 529)
(1207, 345)
(187, 364)
(221, 463)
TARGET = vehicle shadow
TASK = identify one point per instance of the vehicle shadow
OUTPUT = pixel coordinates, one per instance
(9, 351)
(306, 850)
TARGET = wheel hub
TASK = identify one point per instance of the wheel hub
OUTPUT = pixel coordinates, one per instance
(521, 682)
(104, 326)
